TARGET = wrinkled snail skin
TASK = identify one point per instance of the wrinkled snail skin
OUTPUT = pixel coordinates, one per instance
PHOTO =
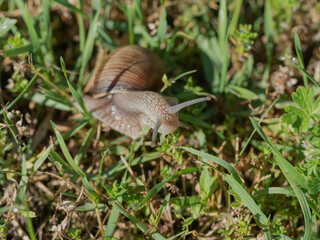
(124, 97)
(130, 112)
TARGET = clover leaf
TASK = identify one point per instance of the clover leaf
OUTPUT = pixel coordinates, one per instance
(306, 109)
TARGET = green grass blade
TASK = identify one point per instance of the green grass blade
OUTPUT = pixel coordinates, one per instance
(268, 23)
(162, 28)
(72, 8)
(82, 35)
(50, 101)
(21, 196)
(26, 89)
(222, 22)
(314, 81)
(32, 32)
(254, 131)
(16, 173)
(29, 215)
(74, 93)
(305, 210)
(12, 129)
(119, 166)
(293, 177)
(269, 32)
(314, 228)
(267, 234)
(65, 151)
(95, 6)
(87, 52)
(163, 207)
(138, 9)
(64, 166)
(84, 146)
(297, 46)
(90, 189)
(313, 207)
(235, 15)
(75, 129)
(121, 6)
(136, 221)
(73, 164)
(274, 190)
(107, 39)
(242, 92)
(223, 35)
(286, 191)
(177, 235)
(90, 207)
(114, 215)
(196, 121)
(101, 166)
(247, 199)
(168, 83)
(285, 166)
(42, 158)
(139, 29)
(17, 51)
(46, 32)
(207, 158)
(243, 194)
(157, 188)
(130, 17)
(183, 74)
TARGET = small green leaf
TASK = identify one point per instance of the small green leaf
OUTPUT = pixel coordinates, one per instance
(207, 183)
(243, 92)
(196, 206)
(6, 24)
(299, 116)
(28, 214)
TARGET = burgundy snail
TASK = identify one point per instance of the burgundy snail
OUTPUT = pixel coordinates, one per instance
(124, 94)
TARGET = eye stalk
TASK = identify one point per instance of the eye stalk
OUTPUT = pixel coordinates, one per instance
(173, 110)
(178, 107)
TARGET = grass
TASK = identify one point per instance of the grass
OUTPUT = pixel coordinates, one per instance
(247, 167)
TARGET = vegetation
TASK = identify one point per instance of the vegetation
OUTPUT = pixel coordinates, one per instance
(248, 167)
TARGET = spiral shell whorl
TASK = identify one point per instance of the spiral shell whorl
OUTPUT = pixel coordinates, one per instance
(129, 68)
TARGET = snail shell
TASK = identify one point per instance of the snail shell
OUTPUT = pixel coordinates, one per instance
(129, 68)
(124, 97)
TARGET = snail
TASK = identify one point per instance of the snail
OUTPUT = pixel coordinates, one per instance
(125, 98)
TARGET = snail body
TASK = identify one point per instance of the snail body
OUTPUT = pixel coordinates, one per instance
(124, 94)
